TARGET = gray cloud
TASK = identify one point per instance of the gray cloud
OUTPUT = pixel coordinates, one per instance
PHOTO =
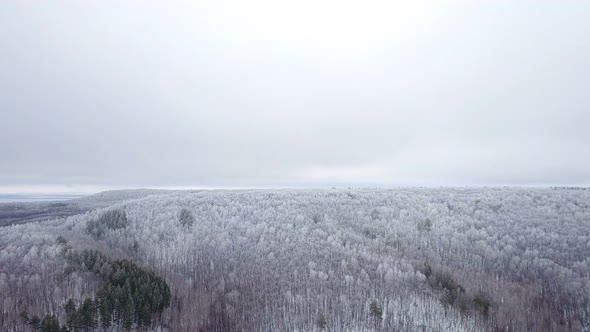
(179, 93)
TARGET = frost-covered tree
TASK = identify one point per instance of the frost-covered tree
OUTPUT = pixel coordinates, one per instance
(436, 259)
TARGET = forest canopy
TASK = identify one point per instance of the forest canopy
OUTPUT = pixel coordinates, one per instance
(305, 260)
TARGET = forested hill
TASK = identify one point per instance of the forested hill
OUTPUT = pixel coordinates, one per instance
(478, 259)
(22, 212)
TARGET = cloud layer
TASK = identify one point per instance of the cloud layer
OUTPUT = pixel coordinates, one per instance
(144, 93)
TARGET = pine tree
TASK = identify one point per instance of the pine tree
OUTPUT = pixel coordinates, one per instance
(322, 322)
(186, 218)
(70, 306)
(35, 322)
(127, 315)
(104, 298)
(87, 314)
(376, 312)
(24, 317)
(72, 316)
(49, 324)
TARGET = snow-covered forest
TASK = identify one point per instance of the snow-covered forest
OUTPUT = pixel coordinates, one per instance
(488, 259)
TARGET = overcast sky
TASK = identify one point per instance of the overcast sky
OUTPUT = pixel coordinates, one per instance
(307, 93)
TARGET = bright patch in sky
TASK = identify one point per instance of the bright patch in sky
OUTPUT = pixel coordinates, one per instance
(328, 28)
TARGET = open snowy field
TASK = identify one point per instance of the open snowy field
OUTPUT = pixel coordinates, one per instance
(504, 259)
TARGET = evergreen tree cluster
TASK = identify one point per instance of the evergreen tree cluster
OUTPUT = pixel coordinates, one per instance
(453, 293)
(111, 219)
(130, 295)
(82, 318)
(49, 323)
(444, 282)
